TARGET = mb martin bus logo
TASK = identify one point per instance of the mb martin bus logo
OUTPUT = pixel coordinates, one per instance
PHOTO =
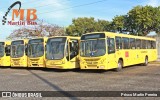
(30, 17)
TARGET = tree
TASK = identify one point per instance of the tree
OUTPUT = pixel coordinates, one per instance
(103, 25)
(83, 25)
(118, 23)
(156, 20)
(80, 26)
(39, 30)
(141, 19)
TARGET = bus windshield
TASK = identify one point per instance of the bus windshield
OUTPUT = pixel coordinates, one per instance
(1, 50)
(55, 48)
(35, 50)
(17, 50)
(93, 48)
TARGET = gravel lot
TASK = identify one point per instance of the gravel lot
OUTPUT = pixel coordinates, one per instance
(134, 78)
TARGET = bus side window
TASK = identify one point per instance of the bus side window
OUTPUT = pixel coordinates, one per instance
(149, 44)
(153, 45)
(143, 46)
(138, 43)
(132, 43)
(118, 43)
(111, 45)
(126, 43)
(7, 50)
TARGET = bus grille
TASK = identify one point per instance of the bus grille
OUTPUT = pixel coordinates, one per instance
(16, 61)
(34, 61)
(92, 61)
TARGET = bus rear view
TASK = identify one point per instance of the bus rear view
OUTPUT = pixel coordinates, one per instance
(5, 53)
(62, 52)
(19, 53)
(36, 52)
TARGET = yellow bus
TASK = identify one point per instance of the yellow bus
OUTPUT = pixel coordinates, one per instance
(106, 50)
(62, 52)
(5, 53)
(19, 53)
(36, 52)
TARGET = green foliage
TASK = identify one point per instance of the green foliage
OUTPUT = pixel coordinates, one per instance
(118, 23)
(140, 20)
(83, 25)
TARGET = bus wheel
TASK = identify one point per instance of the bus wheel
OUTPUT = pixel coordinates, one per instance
(120, 65)
(146, 61)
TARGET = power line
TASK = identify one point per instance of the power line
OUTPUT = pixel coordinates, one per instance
(41, 5)
(74, 6)
(48, 4)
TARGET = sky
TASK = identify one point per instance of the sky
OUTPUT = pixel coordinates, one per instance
(61, 12)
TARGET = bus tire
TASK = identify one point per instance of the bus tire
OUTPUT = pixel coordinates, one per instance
(146, 61)
(119, 66)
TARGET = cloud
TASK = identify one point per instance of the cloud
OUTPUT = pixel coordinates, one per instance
(42, 6)
(153, 3)
(5, 30)
(49, 8)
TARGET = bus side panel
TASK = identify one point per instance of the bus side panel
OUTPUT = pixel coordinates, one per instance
(8, 61)
(111, 62)
(74, 63)
(125, 56)
(152, 54)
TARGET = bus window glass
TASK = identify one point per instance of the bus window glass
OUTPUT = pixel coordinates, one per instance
(153, 44)
(94, 47)
(118, 43)
(35, 48)
(2, 49)
(17, 51)
(132, 43)
(55, 48)
(111, 45)
(8, 50)
(73, 48)
(143, 44)
(149, 44)
(125, 43)
(138, 43)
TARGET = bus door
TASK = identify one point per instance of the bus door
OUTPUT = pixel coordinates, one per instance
(112, 63)
(139, 57)
(119, 53)
(73, 52)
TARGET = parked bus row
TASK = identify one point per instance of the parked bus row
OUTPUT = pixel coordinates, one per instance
(97, 50)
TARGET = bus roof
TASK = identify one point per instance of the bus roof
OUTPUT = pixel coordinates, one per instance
(25, 40)
(123, 35)
(7, 42)
(75, 37)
